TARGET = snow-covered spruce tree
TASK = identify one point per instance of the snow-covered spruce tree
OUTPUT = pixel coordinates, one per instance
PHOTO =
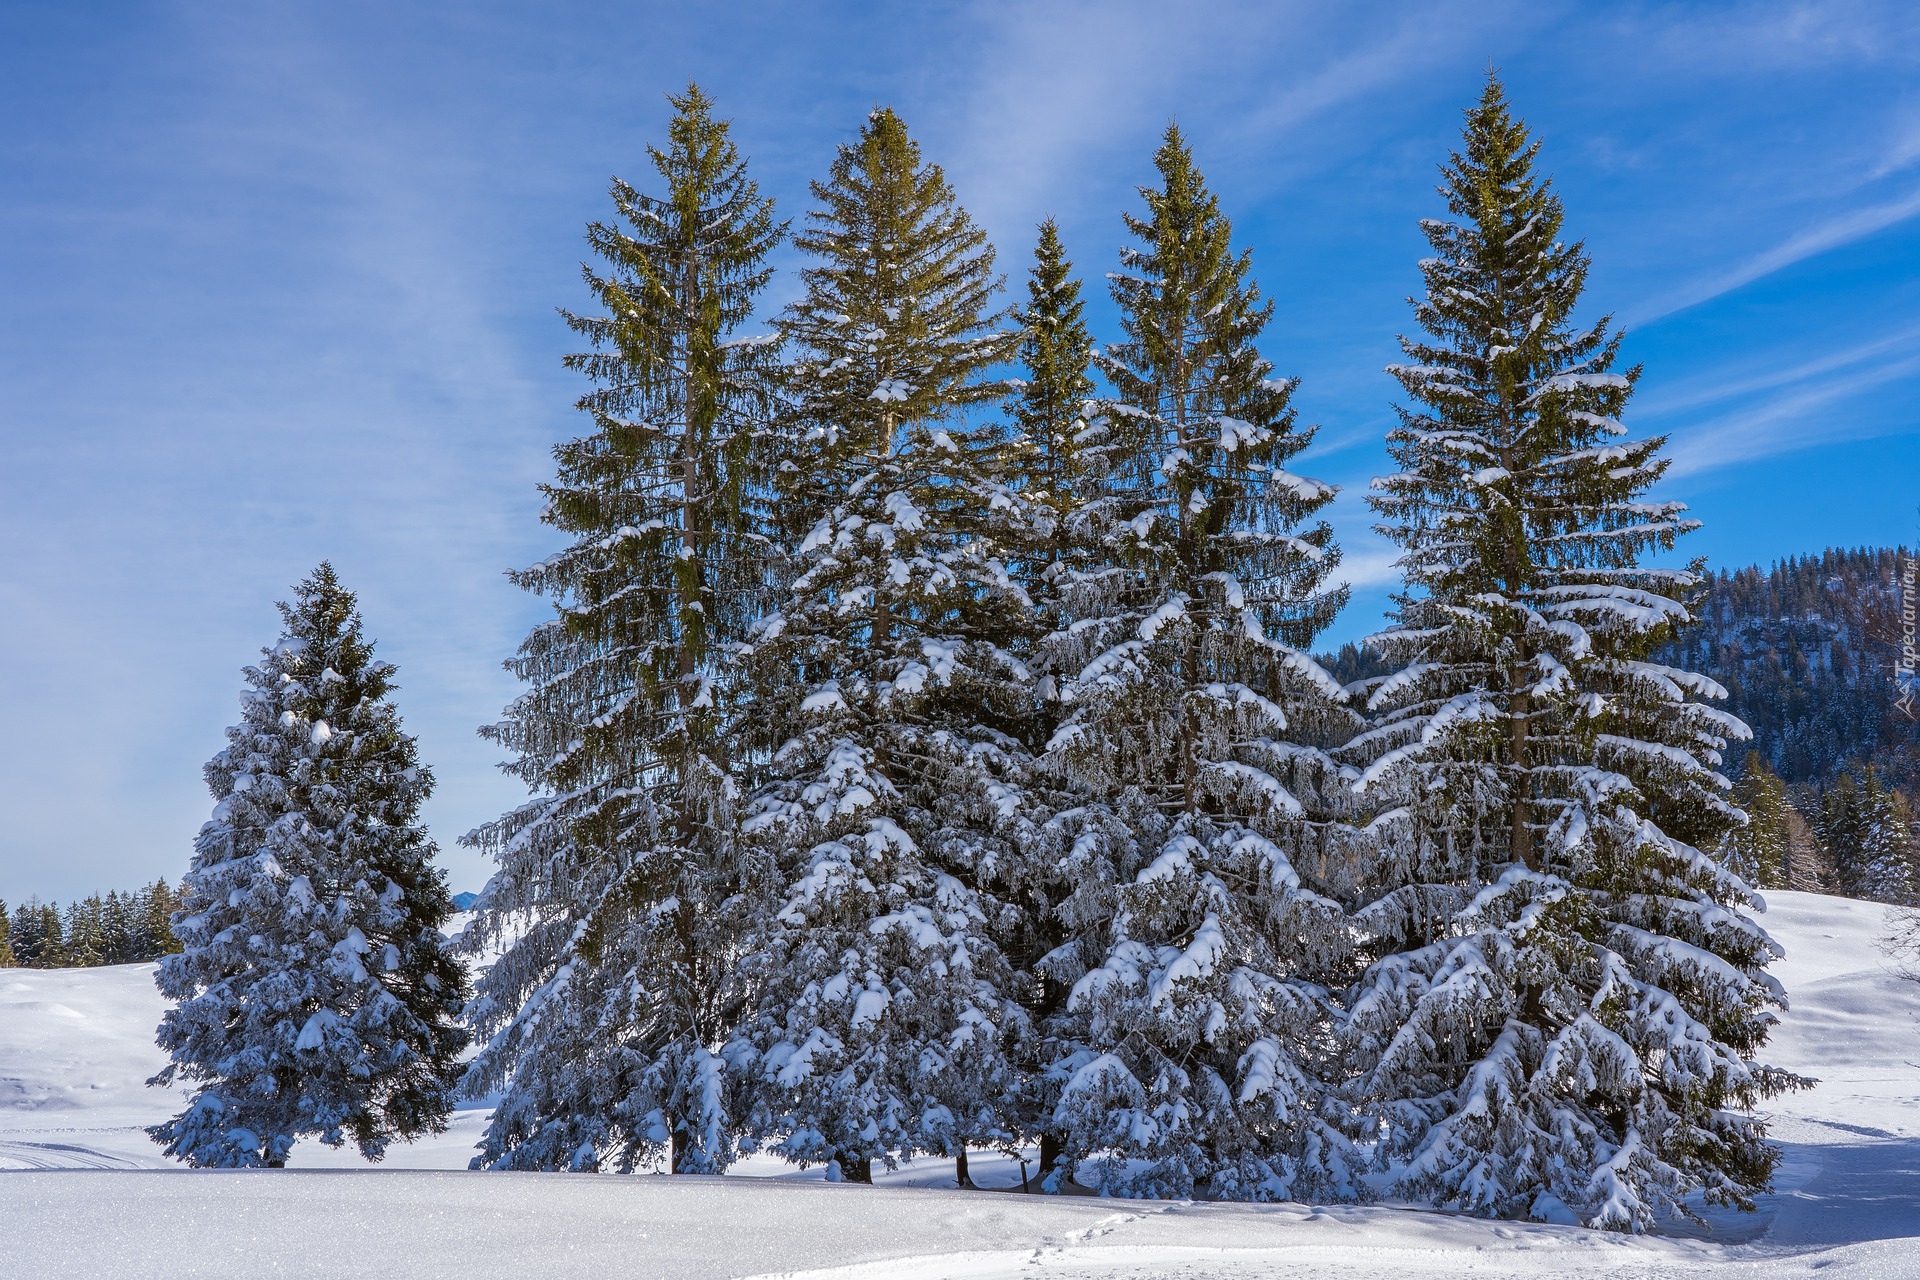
(1063, 453)
(1197, 1018)
(622, 885)
(889, 776)
(1565, 996)
(316, 996)
(1887, 847)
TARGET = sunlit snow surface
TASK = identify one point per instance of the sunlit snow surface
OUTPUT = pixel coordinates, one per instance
(76, 1045)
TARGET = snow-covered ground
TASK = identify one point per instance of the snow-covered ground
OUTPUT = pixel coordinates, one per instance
(76, 1045)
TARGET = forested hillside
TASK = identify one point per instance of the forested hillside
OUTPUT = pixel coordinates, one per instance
(1806, 651)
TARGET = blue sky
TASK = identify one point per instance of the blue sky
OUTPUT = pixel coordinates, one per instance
(277, 283)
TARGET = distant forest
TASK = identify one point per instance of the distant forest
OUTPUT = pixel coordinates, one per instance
(1806, 651)
(117, 928)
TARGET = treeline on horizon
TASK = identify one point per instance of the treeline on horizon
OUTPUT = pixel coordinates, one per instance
(113, 928)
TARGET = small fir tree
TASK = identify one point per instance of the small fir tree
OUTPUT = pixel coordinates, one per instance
(1189, 1049)
(6, 937)
(889, 780)
(154, 909)
(315, 995)
(623, 883)
(1566, 994)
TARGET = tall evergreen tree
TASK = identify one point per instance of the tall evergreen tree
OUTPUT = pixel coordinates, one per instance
(315, 995)
(1566, 995)
(1188, 1048)
(6, 937)
(155, 907)
(1839, 825)
(889, 782)
(1064, 453)
(623, 883)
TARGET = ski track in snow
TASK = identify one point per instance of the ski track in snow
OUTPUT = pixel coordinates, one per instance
(76, 1048)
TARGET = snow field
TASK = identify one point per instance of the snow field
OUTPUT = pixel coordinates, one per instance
(76, 1045)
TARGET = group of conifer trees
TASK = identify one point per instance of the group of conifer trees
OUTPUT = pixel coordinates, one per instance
(1856, 837)
(928, 759)
(117, 928)
(925, 759)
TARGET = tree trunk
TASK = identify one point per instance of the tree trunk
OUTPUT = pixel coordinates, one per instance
(1051, 1149)
(855, 1168)
(960, 1177)
(1522, 838)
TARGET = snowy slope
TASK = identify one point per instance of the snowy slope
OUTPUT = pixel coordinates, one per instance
(75, 1046)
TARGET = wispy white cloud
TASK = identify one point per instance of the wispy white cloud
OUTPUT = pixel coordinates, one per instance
(1061, 91)
(1904, 147)
(1800, 419)
(1763, 35)
(1735, 385)
(1824, 236)
(1055, 91)
(1371, 62)
(1369, 561)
